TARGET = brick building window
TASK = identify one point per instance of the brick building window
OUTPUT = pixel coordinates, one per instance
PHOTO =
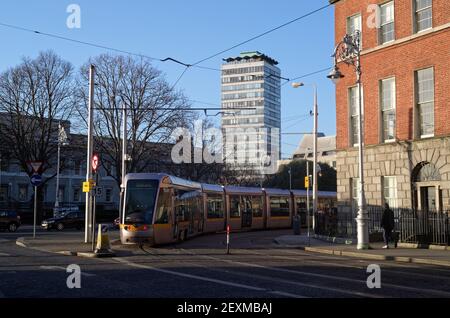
(387, 28)
(108, 195)
(390, 191)
(353, 24)
(76, 194)
(423, 15)
(3, 193)
(23, 192)
(353, 100)
(425, 101)
(387, 93)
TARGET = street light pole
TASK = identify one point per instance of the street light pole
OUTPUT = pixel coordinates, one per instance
(90, 151)
(315, 159)
(349, 51)
(315, 136)
(124, 161)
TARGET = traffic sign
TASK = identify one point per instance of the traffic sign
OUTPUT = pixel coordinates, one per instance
(98, 191)
(95, 162)
(35, 165)
(36, 180)
(88, 185)
(307, 182)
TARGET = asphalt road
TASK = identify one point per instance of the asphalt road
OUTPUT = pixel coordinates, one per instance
(200, 268)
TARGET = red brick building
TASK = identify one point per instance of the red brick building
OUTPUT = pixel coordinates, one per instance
(405, 62)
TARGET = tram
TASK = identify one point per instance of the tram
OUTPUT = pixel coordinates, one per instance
(161, 209)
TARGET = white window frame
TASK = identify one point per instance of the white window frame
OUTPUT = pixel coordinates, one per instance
(380, 36)
(415, 15)
(352, 18)
(390, 198)
(419, 103)
(353, 115)
(392, 108)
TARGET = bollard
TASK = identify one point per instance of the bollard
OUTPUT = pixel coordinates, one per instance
(103, 245)
(228, 239)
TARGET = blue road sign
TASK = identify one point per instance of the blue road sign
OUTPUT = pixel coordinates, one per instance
(36, 180)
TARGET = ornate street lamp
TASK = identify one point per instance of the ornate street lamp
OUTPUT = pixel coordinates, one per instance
(349, 52)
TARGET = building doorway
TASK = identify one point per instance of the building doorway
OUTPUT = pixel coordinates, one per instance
(428, 198)
(427, 187)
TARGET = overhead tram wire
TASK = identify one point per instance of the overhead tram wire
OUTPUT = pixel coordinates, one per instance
(261, 35)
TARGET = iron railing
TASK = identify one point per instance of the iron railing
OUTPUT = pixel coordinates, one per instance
(411, 226)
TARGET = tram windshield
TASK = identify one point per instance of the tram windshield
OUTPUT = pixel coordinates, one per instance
(140, 201)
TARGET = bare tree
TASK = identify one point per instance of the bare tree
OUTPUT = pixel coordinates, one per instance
(34, 97)
(154, 110)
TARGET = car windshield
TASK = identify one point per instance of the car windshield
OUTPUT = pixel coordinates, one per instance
(140, 201)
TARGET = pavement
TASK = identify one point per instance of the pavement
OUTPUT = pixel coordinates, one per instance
(71, 243)
(407, 253)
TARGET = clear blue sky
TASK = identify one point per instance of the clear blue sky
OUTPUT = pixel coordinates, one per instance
(189, 31)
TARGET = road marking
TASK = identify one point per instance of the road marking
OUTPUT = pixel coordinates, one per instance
(218, 281)
(419, 290)
(166, 271)
(64, 269)
(352, 266)
(5, 254)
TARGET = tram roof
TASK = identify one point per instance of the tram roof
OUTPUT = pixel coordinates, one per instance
(322, 194)
(212, 187)
(160, 176)
(270, 191)
(243, 190)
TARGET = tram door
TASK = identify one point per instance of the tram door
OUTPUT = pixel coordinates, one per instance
(246, 212)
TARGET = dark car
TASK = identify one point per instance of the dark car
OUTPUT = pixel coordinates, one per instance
(74, 220)
(9, 220)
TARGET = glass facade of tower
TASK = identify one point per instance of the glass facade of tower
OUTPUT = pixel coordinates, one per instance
(251, 80)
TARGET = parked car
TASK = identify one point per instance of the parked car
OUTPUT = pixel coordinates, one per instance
(9, 220)
(67, 220)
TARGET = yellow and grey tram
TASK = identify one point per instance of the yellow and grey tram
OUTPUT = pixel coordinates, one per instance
(161, 209)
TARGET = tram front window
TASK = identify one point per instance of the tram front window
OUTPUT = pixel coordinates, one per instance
(140, 201)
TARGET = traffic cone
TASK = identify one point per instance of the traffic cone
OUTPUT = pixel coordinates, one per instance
(103, 245)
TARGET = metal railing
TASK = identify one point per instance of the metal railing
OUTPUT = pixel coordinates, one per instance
(411, 226)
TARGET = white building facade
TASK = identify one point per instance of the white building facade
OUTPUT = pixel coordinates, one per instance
(251, 136)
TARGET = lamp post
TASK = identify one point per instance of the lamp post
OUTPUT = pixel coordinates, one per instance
(349, 52)
(315, 129)
(62, 141)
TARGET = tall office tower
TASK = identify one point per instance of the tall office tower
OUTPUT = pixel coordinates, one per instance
(251, 136)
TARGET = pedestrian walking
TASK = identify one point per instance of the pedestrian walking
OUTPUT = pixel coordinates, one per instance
(388, 224)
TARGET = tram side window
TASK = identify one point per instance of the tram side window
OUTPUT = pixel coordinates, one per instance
(163, 206)
(235, 206)
(279, 206)
(257, 205)
(215, 206)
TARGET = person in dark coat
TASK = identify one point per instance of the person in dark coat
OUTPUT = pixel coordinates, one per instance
(388, 224)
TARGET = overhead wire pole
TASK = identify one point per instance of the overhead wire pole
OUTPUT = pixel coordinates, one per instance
(90, 151)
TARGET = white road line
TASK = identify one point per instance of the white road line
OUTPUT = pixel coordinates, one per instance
(212, 280)
(352, 266)
(419, 290)
(280, 293)
(5, 254)
(64, 269)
